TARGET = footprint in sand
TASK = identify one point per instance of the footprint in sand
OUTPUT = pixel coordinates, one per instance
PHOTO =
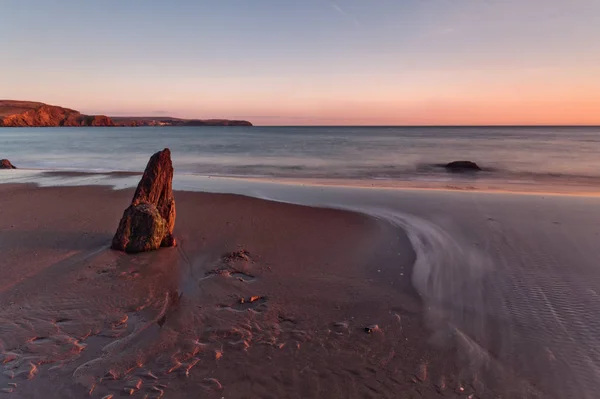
(231, 273)
(237, 256)
(234, 265)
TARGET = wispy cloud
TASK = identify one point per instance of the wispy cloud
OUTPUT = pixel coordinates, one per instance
(345, 14)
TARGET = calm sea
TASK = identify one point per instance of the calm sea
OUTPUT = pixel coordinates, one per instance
(395, 153)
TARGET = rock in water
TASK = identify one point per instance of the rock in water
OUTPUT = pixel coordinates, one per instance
(148, 222)
(5, 164)
(462, 166)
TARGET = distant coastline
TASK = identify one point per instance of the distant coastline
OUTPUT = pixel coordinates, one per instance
(35, 114)
(170, 121)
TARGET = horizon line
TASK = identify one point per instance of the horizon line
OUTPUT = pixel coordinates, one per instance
(426, 126)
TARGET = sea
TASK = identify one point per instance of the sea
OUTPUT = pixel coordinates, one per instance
(528, 155)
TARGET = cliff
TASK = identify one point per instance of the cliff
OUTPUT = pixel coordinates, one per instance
(35, 114)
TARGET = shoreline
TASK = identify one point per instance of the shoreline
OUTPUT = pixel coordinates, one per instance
(489, 186)
(406, 185)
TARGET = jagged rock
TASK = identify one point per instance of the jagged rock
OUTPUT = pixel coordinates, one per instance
(462, 166)
(142, 229)
(148, 222)
(156, 187)
(5, 164)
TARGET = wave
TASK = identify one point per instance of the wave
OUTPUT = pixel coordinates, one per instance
(418, 172)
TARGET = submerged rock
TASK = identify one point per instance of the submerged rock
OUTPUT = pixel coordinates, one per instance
(148, 222)
(5, 164)
(462, 166)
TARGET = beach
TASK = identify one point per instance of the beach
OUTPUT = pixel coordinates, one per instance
(260, 299)
(460, 293)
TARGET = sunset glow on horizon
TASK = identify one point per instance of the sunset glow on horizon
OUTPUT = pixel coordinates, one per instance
(315, 62)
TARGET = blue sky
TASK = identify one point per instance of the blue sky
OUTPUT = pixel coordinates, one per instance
(309, 61)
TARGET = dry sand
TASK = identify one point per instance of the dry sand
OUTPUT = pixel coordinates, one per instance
(259, 300)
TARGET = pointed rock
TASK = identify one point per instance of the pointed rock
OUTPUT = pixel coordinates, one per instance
(148, 222)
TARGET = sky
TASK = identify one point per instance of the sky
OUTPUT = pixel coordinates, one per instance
(309, 62)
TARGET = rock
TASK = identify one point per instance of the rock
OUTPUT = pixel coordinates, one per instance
(148, 222)
(141, 229)
(156, 188)
(5, 164)
(374, 328)
(462, 166)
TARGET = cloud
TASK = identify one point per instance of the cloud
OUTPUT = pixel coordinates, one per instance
(345, 14)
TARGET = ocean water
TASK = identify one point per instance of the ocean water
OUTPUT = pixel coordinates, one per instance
(526, 154)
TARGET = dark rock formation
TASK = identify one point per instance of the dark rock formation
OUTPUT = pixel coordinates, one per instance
(5, 164)
(148, 222)
(462, 166)
(142, 229)
(33, 114)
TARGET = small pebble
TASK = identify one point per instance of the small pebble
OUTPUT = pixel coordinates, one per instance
(372, 328)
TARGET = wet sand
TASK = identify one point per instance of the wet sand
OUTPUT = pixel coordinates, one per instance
(259, 300)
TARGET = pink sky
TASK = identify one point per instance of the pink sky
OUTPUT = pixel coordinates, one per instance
(317, 62)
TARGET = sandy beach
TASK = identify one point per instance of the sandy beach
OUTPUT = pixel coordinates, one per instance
(405, 293)
(260, 299)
